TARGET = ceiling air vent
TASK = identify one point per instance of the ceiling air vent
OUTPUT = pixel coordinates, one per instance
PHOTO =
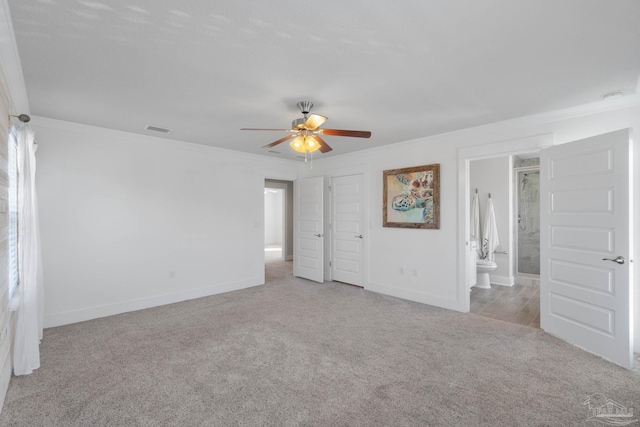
(157, 129)
(274, 152)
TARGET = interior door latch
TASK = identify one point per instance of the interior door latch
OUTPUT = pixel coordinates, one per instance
(618, 259)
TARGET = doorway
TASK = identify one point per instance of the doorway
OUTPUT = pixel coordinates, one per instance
(274, 224)
(278, 227)
(585, 285)
(512, 296)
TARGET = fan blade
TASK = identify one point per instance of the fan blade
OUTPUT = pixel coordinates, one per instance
(280, 141)
(314, 122)
(342, 132)
(279, 130)
(324, 147)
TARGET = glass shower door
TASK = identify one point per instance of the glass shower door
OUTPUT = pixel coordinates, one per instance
(528, 221)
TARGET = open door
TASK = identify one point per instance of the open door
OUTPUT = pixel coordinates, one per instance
(308, 235)
(585, 286)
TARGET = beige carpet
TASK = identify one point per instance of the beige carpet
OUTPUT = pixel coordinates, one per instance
(296, 352)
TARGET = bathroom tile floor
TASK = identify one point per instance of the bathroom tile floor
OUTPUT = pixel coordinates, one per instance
(516, 304)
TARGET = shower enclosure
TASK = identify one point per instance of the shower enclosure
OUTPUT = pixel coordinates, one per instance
(527, 230)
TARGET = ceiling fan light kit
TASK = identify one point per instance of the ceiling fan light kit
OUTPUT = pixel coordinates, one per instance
(305, 144)
(306, 132)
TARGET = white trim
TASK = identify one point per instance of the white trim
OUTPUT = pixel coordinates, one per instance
(506, 148)
(59, 319)
(422, 297)
(501, 280)
(465, 156)
(10, 61)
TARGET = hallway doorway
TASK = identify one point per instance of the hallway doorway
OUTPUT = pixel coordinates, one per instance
(278, 220)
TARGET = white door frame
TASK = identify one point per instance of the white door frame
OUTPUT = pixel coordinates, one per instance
(465, 156)
(262, 178)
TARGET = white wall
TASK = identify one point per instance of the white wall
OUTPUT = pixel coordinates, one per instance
(494, 176)
(112, 207)
(273, 216)
(437, 254)
(130, 222)
(432, 253)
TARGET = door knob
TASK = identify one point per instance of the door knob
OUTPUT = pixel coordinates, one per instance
(318, 235)
(359, 237)
(618, 259)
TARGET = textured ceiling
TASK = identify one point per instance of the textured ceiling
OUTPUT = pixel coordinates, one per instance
(402, 70)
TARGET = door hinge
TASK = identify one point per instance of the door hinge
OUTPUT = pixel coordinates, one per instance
(329, 263)
(329, 189)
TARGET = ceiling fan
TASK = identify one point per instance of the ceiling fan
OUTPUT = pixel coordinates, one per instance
(306, 131)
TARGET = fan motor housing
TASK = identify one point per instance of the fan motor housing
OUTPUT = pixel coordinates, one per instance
(298, 123)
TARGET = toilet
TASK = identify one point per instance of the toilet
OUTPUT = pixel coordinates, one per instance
(483, 268)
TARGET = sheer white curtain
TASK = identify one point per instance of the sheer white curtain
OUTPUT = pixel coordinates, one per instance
(26, 353)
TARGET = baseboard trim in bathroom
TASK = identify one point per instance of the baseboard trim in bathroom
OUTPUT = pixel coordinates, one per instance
(501, 280)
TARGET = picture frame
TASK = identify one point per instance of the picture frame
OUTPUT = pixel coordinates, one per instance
(411, 197)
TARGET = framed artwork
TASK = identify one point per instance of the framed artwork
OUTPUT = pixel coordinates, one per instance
(411, 197)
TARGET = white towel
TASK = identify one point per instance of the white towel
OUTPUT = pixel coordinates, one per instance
(490, 240)
(475, 222)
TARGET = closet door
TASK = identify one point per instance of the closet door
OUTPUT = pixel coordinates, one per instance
(347, 229)
(308, 235)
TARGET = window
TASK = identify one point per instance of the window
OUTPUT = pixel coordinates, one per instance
(12, 169)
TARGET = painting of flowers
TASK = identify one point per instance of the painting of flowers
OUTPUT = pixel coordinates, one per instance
(411, 197)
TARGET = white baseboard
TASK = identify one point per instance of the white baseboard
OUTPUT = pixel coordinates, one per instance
(420, 297)
(75, 316)
(501, 280)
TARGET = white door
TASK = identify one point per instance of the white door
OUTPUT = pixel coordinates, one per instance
(584, 224)
(347, 224)
(308, 236)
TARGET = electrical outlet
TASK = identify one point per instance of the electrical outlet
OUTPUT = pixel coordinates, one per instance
(415, 272)
(172, 275)
(401, 271)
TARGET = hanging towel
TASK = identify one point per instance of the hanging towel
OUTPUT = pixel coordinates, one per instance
(475, 222)
(490, 240)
